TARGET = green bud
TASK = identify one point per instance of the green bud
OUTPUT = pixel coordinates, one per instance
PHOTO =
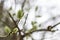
(15, 30)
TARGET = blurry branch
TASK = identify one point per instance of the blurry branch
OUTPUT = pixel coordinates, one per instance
(48, 29)
(25, 22)
(23, 4)
(56, 25)
(14, 23)
(26, 15)
(1, 12)
(12, 19)
(37, 31)
(51, 27)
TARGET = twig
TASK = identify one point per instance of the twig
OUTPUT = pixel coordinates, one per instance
(25, 21)
(12, 19)
(23, 4)
(37, 31)
(51, 27)
(42, 30)
(56, 25)
(15, 24)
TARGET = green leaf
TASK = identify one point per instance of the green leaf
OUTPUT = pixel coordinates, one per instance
(20, 14)
(7, 29)
(15, 30)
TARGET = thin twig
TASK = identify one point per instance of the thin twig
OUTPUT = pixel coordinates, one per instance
(25, 21)
(56, 25)
(23, 4)
(37, 31)
(42, 30)
(12, 19)
(14, 23)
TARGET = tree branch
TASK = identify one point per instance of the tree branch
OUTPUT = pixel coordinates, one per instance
(37, 31)
(23, 4)
(12, 19)
(25, 21)
(15, 24)
(42, 30)
(56, 25)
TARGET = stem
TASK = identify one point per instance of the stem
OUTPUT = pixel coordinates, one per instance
(15, 24)
(25, 21)
(12, 19)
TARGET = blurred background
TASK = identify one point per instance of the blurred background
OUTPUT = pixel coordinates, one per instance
(44, 12)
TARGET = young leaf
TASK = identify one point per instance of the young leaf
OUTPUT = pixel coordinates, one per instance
(15, 30)
(7, 29)
(20, 14)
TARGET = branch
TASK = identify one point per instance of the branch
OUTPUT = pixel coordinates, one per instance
(37, 31)
(15, 24)
(42, 30)
(23, 4)
(56, 25)
(25, 21)
(12, 19)
(51, 27)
